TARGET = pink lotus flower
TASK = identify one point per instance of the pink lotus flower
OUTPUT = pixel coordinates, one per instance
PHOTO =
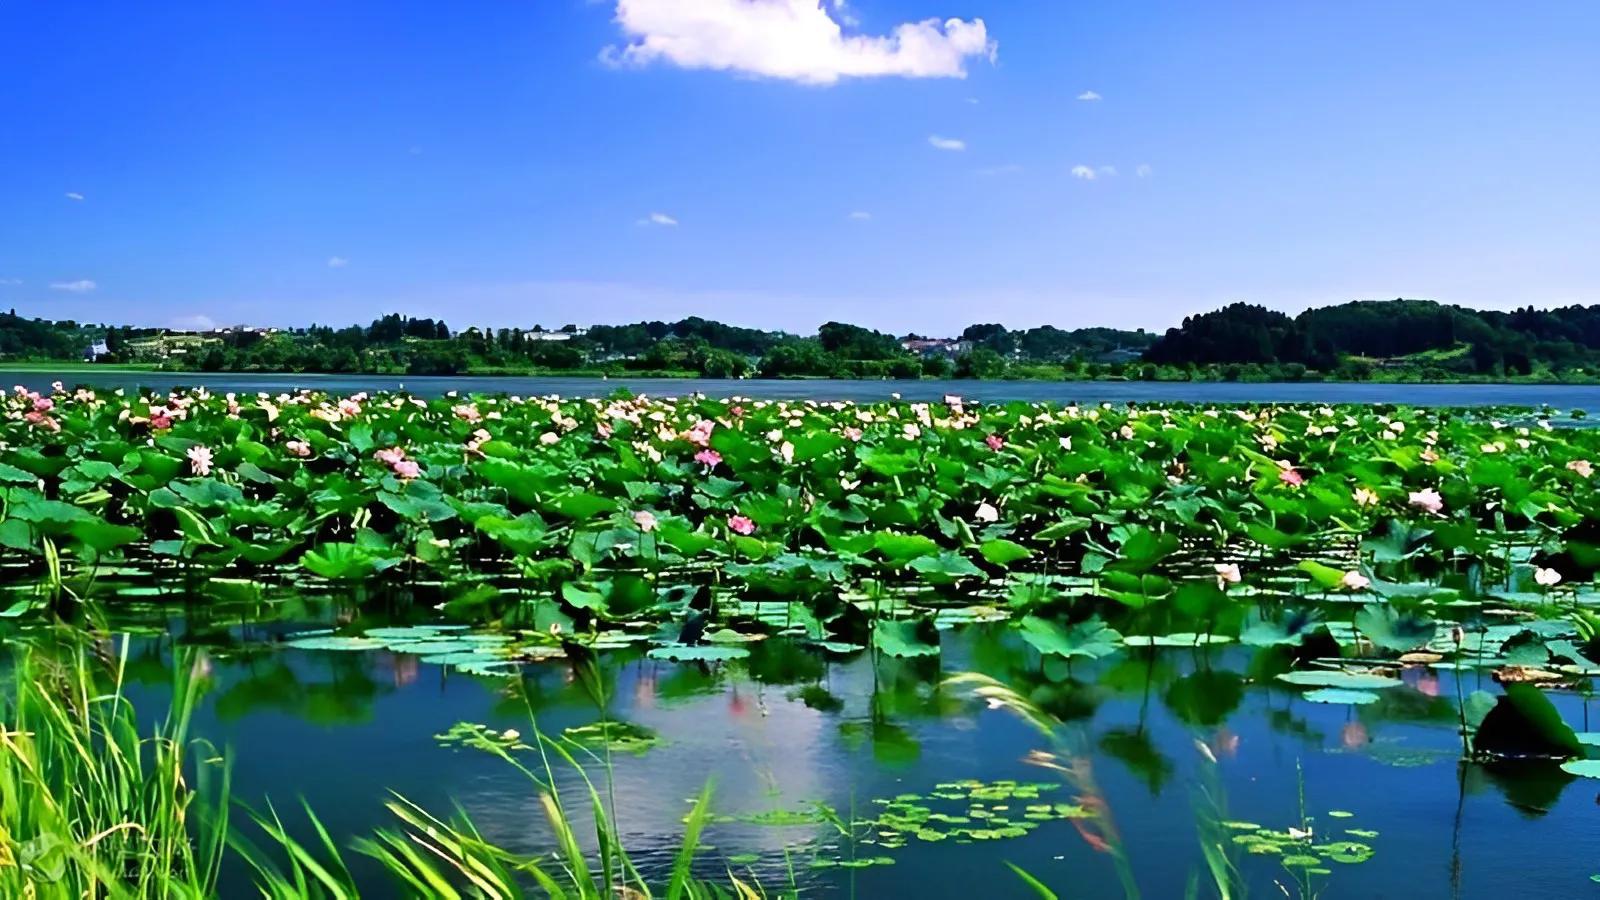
(646, 520)
(995, 441)
(853, 434)
(700, 434)
(391, 456)
(1427, 500)
(298, 448)
(44, 404)
(708, 458)
(603, 429)
(476, 442)
(160, 419)
(1582, 467)
(1291, 477)
(199, 460)
(737, 411)
(1354, 581)
(1227, 573)
(41, 420)
(407, 469)
(1546, 577)
(741, 525)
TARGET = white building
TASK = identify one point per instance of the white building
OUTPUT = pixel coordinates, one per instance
(554, 335)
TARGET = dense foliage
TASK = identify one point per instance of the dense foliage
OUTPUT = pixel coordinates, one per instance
(1352, 340)
(624, 508)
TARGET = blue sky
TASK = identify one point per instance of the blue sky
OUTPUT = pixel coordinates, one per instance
(778, 163)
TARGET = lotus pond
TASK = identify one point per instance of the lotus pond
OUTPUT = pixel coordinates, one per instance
(830, 648)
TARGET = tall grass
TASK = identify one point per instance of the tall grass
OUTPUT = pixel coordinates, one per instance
(89, 807)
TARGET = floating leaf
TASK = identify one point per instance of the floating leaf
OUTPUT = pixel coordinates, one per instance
(1340, 695)
(1091, 638)
(1331, 678)
(699, 653)
(335, 642)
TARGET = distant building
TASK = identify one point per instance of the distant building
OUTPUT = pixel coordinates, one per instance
(243, 329)
(565, 334)
(927, 347)
(96, 350)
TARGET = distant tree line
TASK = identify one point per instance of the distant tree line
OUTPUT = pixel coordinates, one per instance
(1390, 340)
(1361, 339)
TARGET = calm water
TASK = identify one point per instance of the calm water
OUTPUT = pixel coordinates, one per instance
(787, 728)
(1558, 396)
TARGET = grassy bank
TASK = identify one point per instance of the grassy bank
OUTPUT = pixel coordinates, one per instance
(90, 806)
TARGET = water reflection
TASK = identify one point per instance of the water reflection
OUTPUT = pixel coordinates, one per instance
(1139, 734)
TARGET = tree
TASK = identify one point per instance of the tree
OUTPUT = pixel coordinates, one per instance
(980, 363)
(855, 342)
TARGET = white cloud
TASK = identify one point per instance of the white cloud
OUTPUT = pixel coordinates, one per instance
(82, 286)
(860, 216)
(1006, 169)
(10, 281)
(337, 262)
(1144, 170)
(1089, 96)
(1092, 173)
(74, 195)
(795, 40)
(944, 143)
(659, 218)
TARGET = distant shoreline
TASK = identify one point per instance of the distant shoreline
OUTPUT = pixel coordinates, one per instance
(34, 367)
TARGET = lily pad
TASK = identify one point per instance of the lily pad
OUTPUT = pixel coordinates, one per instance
(1340, 695)
(1332, 678)
(699, 653)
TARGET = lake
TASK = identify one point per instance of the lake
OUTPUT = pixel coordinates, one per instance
(787, 729)
(1435, 395)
